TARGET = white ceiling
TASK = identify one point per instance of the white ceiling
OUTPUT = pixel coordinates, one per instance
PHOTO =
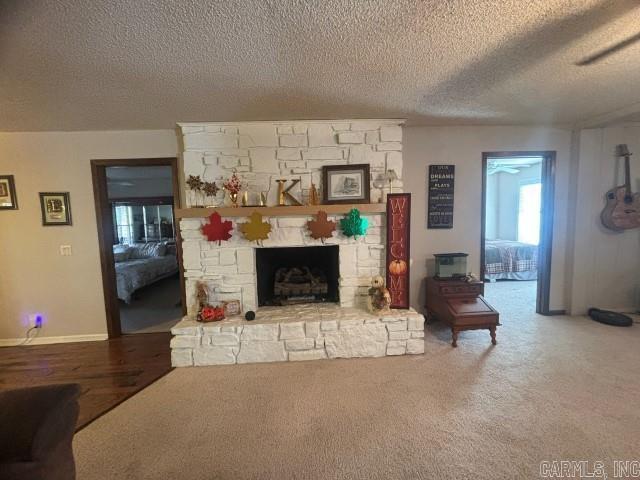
(102, 64)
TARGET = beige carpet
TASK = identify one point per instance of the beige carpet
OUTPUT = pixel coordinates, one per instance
(512, 295)
(552, 389)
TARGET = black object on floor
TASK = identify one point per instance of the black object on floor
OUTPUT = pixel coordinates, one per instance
(610, 318)
(36, 430)
(250, 315)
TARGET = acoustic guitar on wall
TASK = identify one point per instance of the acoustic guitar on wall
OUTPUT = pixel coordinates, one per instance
(622, 211)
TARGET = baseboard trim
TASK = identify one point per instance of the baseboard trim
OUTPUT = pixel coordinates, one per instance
(12, 342)
(556, 312)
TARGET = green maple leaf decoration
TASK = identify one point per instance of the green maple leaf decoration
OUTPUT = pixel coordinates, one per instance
(353, 224)
(255, 229)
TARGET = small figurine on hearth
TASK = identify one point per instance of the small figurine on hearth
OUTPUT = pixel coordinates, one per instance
(210, 313)
(379, 296)
(206, 311)
(202, 294)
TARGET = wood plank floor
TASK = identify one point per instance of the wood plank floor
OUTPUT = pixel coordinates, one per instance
(108, 372)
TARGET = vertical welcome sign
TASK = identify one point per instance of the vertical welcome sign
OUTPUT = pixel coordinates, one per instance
(398, 231)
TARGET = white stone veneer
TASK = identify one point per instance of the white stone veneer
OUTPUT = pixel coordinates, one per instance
(262, 152)
(304, 332)
(229, 270)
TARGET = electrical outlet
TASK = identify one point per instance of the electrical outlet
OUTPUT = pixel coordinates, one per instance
(35, 320)
(65, 250)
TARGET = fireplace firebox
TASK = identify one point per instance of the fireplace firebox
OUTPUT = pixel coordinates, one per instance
(293, 275)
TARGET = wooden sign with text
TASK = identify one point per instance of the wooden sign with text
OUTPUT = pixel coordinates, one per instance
(398, 232)
(440, 208)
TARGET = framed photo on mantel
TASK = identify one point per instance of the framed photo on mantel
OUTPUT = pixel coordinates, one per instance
(345, 184)
(440, 183)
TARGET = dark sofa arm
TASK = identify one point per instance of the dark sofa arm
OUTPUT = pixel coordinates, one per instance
(35, 421)
(58, 427)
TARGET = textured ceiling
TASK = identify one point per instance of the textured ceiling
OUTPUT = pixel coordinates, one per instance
(93, 65)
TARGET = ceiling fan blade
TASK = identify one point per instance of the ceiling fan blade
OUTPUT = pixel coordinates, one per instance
(596, 57)
(501, 169)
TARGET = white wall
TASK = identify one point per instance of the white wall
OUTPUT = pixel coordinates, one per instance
(463, 147)
(606, 264)
(34, 277)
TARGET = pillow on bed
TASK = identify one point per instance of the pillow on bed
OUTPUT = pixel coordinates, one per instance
(121, 253)
(159, 250)
(148, 250)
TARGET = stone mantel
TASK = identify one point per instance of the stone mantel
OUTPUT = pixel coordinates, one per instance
(285, 211)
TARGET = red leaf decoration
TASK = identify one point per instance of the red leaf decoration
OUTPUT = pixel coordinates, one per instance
(216, 229)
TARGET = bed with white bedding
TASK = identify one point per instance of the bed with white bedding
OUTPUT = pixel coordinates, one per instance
(140, 265)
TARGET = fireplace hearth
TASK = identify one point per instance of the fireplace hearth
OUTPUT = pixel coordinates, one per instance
(295, 275)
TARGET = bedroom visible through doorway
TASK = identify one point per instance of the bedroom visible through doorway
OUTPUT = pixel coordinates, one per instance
(139, 245)
(145, 261)
(516, 239)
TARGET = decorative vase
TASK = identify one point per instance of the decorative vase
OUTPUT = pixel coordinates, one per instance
(233, 196)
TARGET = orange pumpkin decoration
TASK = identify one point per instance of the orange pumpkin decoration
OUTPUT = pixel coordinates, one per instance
(397, 267)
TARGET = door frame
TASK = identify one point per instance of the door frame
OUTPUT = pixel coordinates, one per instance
(104, 220)
(547, 178)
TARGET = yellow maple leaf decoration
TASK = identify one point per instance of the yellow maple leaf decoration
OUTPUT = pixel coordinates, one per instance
(255, 228)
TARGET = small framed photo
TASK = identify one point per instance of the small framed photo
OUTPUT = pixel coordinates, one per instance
(8, 199)
(232, 308)
(346, 184)
(56, 208)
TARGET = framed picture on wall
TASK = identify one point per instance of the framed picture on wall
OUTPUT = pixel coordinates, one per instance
(8, 199)
(440, 187)
(346, 184)
(55, 208)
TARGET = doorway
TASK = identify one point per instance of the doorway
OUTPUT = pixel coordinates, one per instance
(517, 228)
(140, 251)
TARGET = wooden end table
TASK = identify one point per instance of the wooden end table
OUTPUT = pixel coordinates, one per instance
(461, 305)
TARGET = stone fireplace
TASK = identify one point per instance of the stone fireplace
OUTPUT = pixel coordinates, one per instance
(297, 275)
(321, 288)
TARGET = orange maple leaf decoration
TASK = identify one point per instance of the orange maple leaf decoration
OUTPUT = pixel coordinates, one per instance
(216, 229)
(321, 227)
(255, 229)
